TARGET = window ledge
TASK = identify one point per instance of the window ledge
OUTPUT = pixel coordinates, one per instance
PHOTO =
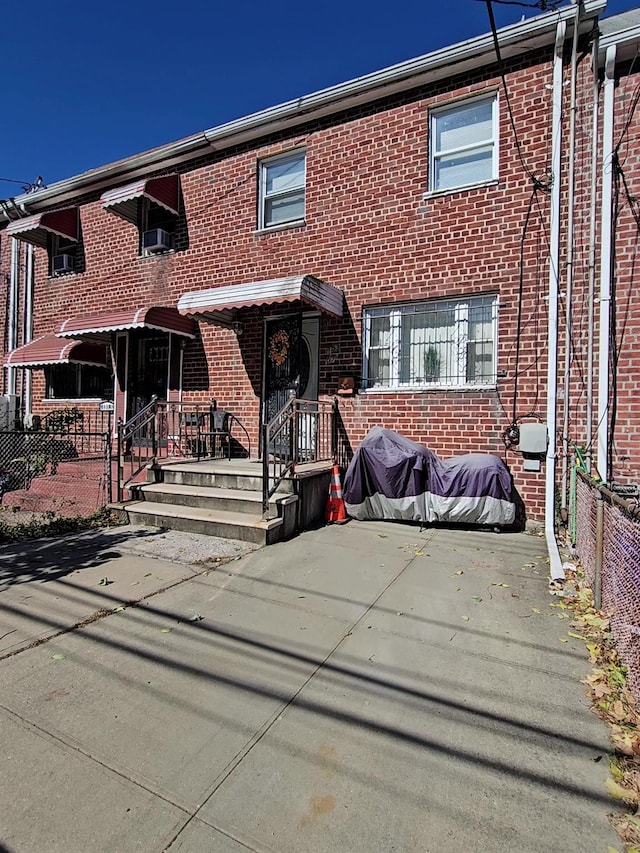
(285, 226)
(494, 182)
(148, 255)
(61, 275)
(426, 389)
(67, 400)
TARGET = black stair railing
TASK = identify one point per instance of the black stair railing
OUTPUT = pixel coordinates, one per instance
(163, 431)
(302, 432)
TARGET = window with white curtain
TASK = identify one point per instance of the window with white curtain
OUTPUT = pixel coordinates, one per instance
(282, 190)
(464, 144)
(447, 342)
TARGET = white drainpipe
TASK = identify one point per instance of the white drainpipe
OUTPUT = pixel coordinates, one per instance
(592, 250)
(605, 263)
(570, 255)
(28, 323)
(12, 331)
(555, 563)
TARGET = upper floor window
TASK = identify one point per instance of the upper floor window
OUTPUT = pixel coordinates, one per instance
(282, 190)
(152, 205)
(56, 231)
(448, 342)
(464, 144)
(62, 255)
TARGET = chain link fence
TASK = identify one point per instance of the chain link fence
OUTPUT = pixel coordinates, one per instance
(607, 541)
(63, 464)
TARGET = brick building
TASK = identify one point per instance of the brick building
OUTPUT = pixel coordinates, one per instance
(401, 239)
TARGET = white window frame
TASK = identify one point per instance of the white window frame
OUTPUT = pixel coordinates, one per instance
(264, 196)
(435, 155)
(394, 313)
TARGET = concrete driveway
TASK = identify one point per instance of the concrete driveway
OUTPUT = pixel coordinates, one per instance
(368, 687)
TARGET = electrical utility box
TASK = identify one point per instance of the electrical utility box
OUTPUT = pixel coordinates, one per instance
(534, 439)
(9, 412)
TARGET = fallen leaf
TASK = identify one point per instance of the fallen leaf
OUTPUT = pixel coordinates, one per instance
(562, 640)
(465, 618)
(196, 618)
(575, 636)
(383, 535)
(619, 793)
(535, 610)
(167, 630)
(104, 582)
(419, 553)
(477, 598)
(58, 656)
(119, 609)
(460, 572)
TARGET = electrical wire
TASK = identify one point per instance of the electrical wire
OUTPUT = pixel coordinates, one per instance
(541, 183)
(543, 5)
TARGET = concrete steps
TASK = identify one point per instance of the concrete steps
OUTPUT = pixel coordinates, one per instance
(222, 523)
(215, 497)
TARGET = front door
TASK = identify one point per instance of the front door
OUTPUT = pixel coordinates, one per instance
(291, 369)
(282, 363)
(148, 368)
(308, 389)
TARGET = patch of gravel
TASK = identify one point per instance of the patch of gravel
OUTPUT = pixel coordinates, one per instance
(174, 545)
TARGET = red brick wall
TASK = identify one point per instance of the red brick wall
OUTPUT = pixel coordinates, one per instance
(370, 231)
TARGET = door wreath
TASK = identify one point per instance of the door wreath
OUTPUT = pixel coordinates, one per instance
(279, 347)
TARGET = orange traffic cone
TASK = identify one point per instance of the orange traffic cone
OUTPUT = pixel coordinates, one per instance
(336, 512)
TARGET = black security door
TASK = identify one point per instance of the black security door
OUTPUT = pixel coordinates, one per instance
(282, 362)
(148, 368)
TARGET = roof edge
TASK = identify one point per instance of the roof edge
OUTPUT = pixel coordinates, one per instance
(515, 40)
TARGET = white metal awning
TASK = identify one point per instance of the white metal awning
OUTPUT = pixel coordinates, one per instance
(219, 305)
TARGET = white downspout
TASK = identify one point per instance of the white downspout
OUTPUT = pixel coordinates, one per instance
(605, 263)
(570, 272)
(555, 564)
(12, 331)
(28, 324)
(592, 250)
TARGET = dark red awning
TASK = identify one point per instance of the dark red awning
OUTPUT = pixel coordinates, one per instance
(50, 349)
(103, 324)
(36, 229)
(123, 201)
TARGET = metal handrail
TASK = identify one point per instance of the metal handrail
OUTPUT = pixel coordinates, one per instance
(302, 431)
(126, 434)
(151, 433)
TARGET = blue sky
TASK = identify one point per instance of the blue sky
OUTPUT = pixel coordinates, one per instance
(84, 84)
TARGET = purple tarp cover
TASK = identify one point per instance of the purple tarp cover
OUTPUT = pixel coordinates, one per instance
(392, 477)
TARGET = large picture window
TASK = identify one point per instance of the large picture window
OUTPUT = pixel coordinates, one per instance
(448, 342)
(78, 381)
(282, 190)
(464, 144)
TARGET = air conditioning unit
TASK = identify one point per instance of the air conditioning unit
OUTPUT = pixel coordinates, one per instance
(157, 240)
(62, 263)
(9, 411)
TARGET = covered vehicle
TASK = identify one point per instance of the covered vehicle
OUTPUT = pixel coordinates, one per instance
(391, 477)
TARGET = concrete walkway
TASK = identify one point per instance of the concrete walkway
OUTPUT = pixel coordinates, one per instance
(368, 688)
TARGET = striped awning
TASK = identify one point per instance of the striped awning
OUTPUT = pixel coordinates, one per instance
(101, 325)
(218, 304)
(50, 349)
(36, 229)
(123, 201)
